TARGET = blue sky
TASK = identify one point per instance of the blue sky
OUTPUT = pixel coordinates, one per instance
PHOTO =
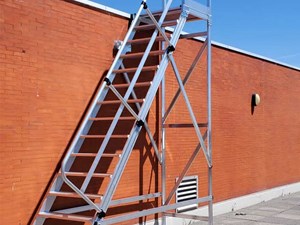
(270, 28)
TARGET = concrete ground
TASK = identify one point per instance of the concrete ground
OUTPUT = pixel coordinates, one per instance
(280, 211)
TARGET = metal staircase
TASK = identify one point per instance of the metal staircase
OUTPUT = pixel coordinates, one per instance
(116, 116)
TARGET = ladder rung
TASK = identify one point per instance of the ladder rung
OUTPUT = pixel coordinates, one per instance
(151, 26)
(132, 70)
(73, 195)
(145, 40)
(84, 174)
(140, 54)
(112, 118)
(140, 84)
(103, 136)
(106, 155)
(71, 217)
(119, 101)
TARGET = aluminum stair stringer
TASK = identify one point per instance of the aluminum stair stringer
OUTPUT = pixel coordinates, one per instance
(142, 115)
(102, 92)
(139, 114)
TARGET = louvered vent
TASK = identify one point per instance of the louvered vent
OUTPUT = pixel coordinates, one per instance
(187, 190)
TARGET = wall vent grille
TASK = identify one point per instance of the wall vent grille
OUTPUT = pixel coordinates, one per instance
(187, 190)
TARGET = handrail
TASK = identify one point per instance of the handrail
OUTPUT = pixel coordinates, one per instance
(89, 113)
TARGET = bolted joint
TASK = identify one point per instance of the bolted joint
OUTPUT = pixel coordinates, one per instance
(170, 49)
(140, 123)
(108, 82)
(101, 214)
(145, 5)
(99, 217)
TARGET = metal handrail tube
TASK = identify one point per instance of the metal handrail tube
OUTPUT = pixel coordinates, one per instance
(92, 106)
(209, 115)
(158, 209)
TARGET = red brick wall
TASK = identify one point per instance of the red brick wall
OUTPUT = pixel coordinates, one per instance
(52, 56)
(259, 151)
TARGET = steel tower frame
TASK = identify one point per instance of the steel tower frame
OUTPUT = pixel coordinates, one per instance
(206, 46)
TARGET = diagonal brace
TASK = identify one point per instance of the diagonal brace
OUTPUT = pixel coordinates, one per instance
(158, 26)
(185, 80)
(193, 118)
(184, 171)
(119, 96)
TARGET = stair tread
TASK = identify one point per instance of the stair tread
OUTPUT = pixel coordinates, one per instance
(119, 101)
(74, 195)
(146, 40)
(83, 174)
(103, 136)
(140, 84)
(140, 54)
(130, 70)
(71, 217)
(151, 26)
(171, 11)
(171, 15)
(94, 155)
(111, 118)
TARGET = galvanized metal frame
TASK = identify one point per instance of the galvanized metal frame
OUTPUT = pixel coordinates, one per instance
(207, 150)
(188, 7)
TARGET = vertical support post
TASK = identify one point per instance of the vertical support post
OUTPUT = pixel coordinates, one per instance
(209, 143)
(163, 135)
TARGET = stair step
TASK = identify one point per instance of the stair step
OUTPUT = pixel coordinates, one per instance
(106, 155)
(175, 11)
(140, 84)
(103, 136)
(70, 217)
(151, 26)
(84, 174)
(157, 14)
(146, 40)
(119, 101)
(74, 195)
(140, 54)
(132, 70)
(171, 15)
(111, 118)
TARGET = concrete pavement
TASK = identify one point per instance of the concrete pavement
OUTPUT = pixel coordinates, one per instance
(280, 211)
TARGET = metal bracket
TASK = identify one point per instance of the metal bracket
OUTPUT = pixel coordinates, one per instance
(145, 5)
(118, 44)
(99, 217)
(108, 82)
(170, 49)
(185, 11)
(140, 123)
